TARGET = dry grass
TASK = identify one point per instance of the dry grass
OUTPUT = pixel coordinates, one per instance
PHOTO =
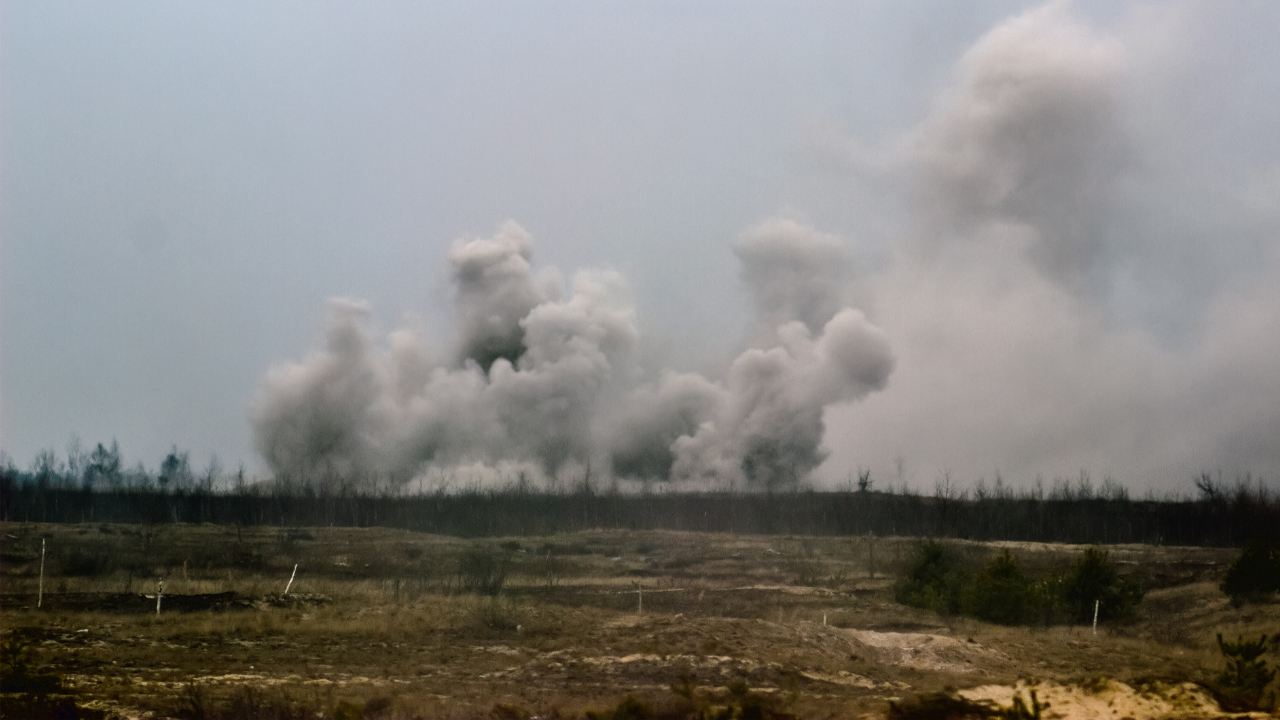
(398, 629)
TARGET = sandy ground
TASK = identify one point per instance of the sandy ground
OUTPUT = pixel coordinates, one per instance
(584, 620)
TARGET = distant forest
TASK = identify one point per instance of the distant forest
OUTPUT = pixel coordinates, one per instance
(93, 489)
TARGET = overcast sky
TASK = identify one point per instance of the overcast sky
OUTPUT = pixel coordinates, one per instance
(1064, 218)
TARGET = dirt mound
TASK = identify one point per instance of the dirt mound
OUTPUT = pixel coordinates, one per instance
(926, 652)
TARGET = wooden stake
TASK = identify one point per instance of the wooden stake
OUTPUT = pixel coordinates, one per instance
(1096, 605)
(291, 577)
(639, 600)
(159, 595)
(871, 554)
(40, 596)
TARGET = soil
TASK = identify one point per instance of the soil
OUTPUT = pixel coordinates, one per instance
(392, 620)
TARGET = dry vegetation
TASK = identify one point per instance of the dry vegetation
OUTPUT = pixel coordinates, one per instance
(389, 623)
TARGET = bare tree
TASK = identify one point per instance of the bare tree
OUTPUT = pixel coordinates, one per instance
(211, 473)
(1209, 490)
(46, 468)
(175, 470)
(75, 459)
(103, 465)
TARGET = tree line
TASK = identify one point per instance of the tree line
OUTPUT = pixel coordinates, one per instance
(1227, 519)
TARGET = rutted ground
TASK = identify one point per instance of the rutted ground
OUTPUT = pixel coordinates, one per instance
(583, 620)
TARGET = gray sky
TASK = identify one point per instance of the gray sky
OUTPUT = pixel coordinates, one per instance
(1082, 273)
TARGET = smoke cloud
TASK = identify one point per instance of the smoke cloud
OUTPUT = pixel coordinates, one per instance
(793, 273)
(537, 379)
(496, 289)
(1046, 313)
(1028, 142)
(1063, 288)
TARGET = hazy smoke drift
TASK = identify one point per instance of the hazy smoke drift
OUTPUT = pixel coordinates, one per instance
(538, 378)
(1043, 189)
(1028, 142)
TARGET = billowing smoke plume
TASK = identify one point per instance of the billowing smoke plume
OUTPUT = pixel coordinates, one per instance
(1028, 143)
(1045, 205)
(551, 381)
(793, 273)
(496, 290)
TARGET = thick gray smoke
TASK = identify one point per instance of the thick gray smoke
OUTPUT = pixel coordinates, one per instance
(794, 273)
(1029, 142)
(496, 290)
(554, 382)
(1041, 197)
(768, 428)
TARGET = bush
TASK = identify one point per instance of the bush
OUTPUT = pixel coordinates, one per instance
(1094, 578)
(631, 708)
(18, 671)
(1044, 600)
(1000, 592)
(1255, 574)
(936, 581)
(482, 572)
(1242, 685)
(247, 703)
(949, 706)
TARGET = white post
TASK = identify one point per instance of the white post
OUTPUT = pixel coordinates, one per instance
(1096, 604)
(871, 554)
(639, 600)
(824, 619)
(40, 595)
(159, 594)
(291, 577)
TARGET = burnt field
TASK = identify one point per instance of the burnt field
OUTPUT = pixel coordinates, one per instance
(400, 624)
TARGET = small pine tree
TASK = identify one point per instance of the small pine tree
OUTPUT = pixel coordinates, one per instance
(1253, 575)
(1242, 685)
(1000, 591)
(935, 581)
(1095, 579)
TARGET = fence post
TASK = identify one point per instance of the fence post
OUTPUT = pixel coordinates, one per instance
(40, 593)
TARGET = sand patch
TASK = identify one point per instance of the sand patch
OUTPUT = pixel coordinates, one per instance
(924, 651)
(1110, 699)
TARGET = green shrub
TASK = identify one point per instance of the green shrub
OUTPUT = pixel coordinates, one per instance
(936, 581)
(631, 708)
(482, 572)
(1094, 578)
(1000, 593)
(347, 710)
(1242, 685)
(247, 703)
(1044, 600)
(18, 671)
(1253, 575)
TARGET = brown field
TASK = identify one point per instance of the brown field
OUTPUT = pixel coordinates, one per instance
(389, 623)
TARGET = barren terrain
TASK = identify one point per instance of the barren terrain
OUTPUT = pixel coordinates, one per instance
(407, 625)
